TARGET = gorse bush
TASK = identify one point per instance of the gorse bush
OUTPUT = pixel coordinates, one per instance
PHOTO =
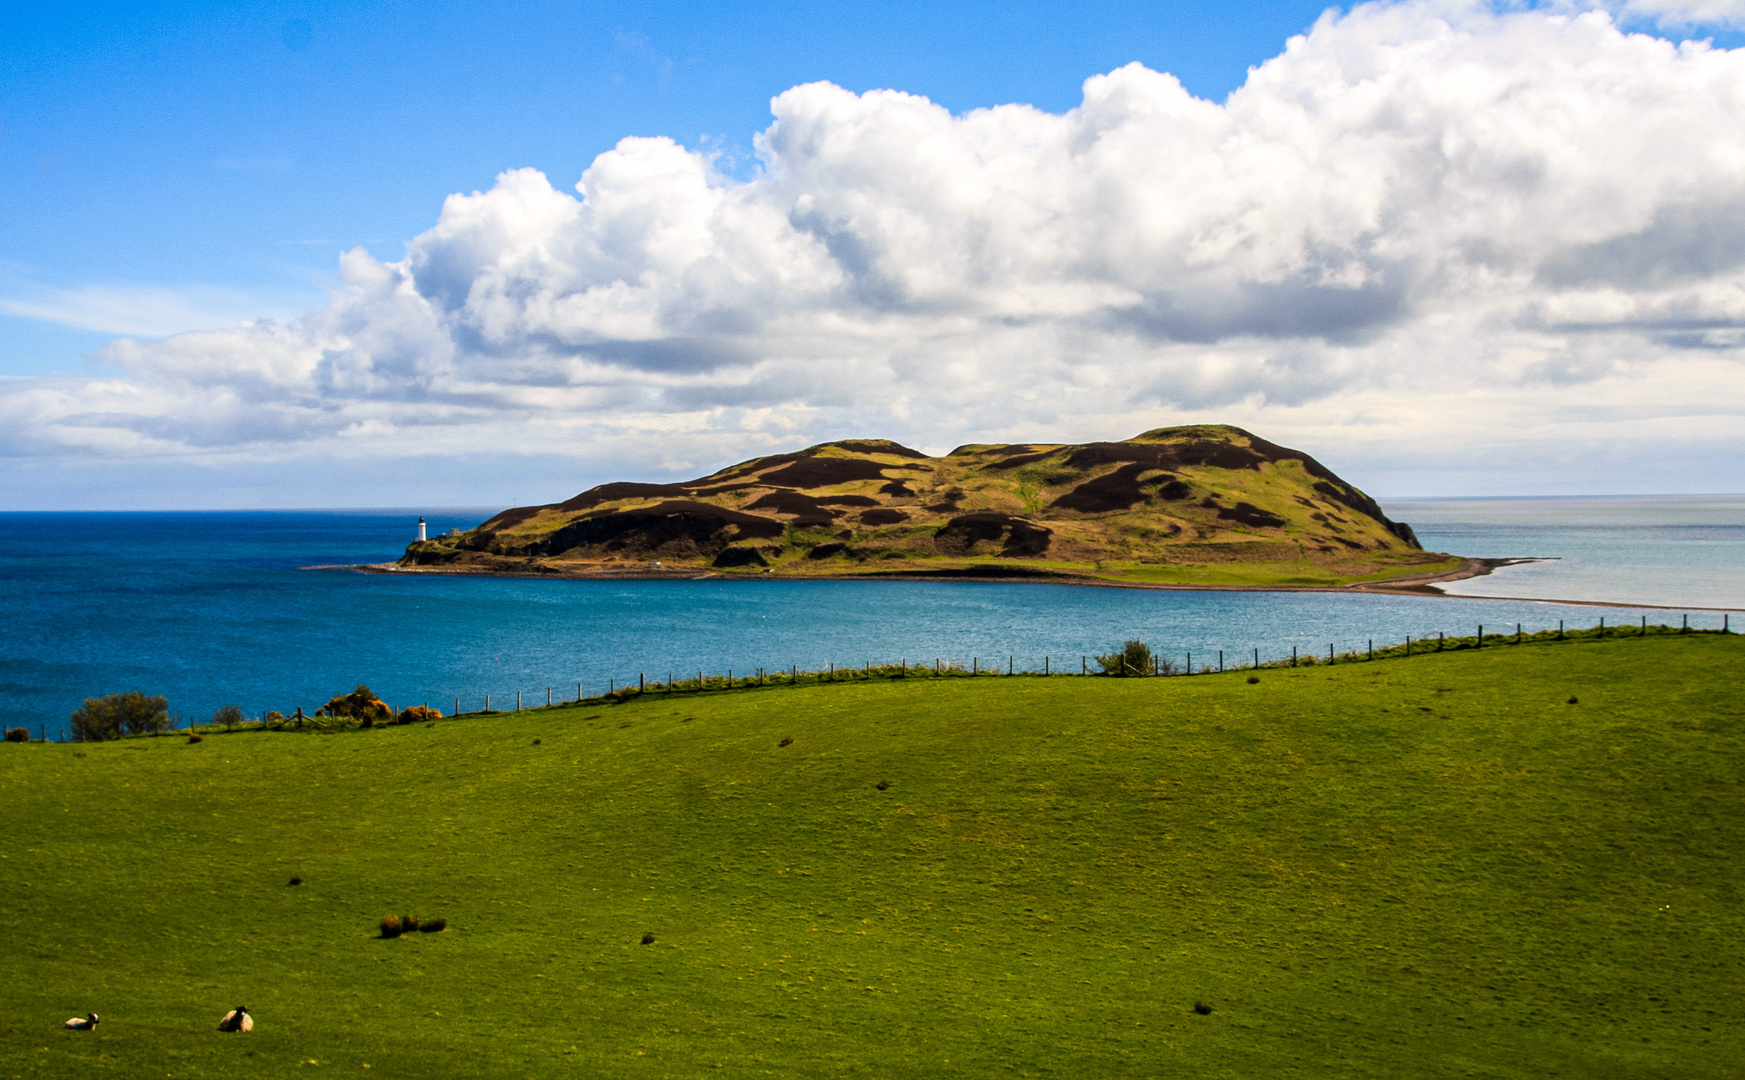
(391, 927)
(361, 704)
(419, 713)
(433, 926)
(113, 715)
(1133, 659)
(17, 734)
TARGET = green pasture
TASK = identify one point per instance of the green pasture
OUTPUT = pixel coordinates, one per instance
(1427, 867)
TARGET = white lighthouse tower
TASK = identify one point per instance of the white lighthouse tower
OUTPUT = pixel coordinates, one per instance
(420, 530)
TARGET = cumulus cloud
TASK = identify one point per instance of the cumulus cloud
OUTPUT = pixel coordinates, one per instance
(1415, 212)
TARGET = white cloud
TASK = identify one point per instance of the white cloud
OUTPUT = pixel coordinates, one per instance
(1424, 222)
(143, 311)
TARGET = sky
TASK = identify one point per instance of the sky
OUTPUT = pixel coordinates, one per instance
(383, 254)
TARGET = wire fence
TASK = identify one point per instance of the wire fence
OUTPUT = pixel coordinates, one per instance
(1163, 664)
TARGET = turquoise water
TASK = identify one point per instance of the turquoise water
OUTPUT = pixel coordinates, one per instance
(212, 608)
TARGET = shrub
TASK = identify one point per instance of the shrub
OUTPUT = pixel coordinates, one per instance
(296, 881)
(361, 704)
(648, 939)
(1202, 1008)
(408, 923)
(419, 713)
(786, 741)
(433, 926)
(1133, 659)
(228, 716)
(273, 717)
(108, 717)
(391, 926)
(1252, 679)
(194, 738)
(17, 734)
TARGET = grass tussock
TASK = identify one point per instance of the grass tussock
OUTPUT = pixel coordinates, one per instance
(392, 927)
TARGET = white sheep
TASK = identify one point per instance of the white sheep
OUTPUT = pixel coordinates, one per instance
(88, 1022)
(236, 1019)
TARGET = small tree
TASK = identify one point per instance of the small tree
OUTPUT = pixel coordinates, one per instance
(1133, 659)
(111, 715)
(228, 716)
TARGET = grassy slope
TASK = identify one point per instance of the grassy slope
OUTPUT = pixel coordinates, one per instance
(1503, 885)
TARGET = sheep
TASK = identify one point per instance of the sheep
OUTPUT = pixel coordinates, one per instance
(88, 1022)
(236, 1019)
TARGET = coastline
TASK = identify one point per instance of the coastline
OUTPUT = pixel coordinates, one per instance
(1408, 585)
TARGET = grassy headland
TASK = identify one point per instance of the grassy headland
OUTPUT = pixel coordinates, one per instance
(1203, 505)
(1439, 866)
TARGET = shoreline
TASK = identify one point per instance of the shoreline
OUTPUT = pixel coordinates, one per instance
(1409, 585)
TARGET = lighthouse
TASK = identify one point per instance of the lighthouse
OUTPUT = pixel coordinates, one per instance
(421, 530)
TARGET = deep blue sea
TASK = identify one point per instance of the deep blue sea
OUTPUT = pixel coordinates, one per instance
(213, 608)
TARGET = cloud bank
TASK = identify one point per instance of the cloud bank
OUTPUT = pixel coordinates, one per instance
(1422, 224)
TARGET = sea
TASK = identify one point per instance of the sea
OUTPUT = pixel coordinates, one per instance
(220, 608)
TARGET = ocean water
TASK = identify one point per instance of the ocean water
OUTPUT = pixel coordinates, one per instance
(213, 608)
(1677, 551)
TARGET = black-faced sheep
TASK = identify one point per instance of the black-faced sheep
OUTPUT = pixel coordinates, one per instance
(236, 1019)
(88, 1022)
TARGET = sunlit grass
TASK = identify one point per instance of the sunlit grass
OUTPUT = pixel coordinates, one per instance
(1425, 867)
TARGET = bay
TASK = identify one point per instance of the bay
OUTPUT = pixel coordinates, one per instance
(215, 608)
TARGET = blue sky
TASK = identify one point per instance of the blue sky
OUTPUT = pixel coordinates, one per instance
(1448, 246)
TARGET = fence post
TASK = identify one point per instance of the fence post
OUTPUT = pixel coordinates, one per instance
(975, 665)
(1480, 636)
(1190, 663)
(1009, 663)
(1045, 665)
(1560, 628)
(1084, 666)
(1408, 644)
(456, 707)
(1685, 629)
(578, 692)
(1372, 648)
(1438, 641)
(1645, 625)
(1220, 661)
(1517, 633)
(548, 697)
(487, 703)
(1293, 656)
(1329, 652)
(1602, 626)
(642, 682)
(1257, 659)
(517, 701)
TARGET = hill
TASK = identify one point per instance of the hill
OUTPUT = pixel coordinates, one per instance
(1432, 867)
(1205, 505)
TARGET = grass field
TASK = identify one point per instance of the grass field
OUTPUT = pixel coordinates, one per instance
(1419, 868)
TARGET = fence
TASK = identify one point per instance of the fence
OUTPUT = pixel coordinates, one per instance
(1164, 665)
